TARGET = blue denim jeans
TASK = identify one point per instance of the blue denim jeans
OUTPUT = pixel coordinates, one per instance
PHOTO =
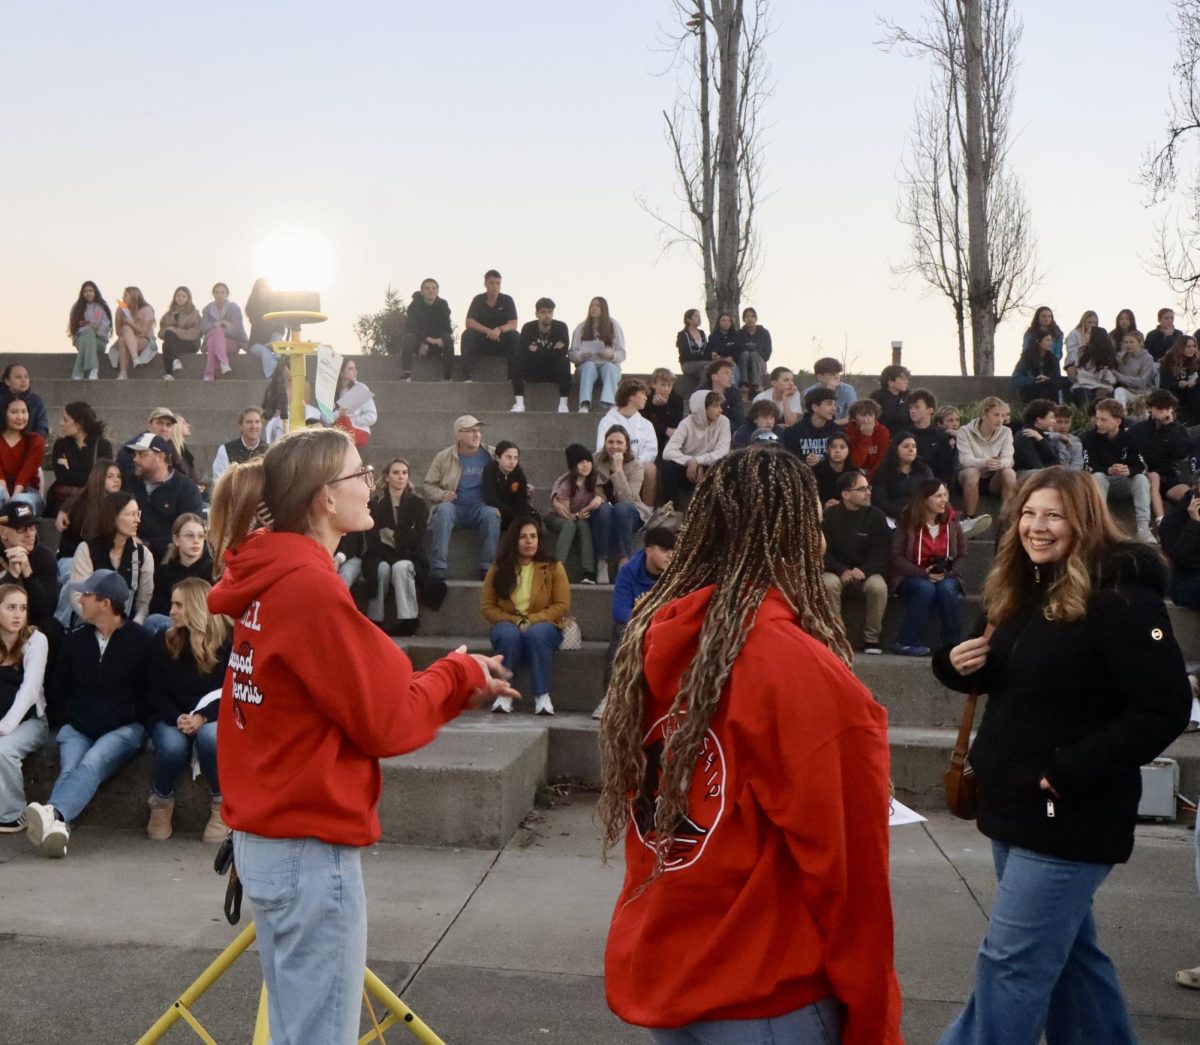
(173, 753)
(310, 911)
(266, 356)
(922, 596)
(536, 645)
(817, 1024)
(29, 736)
(84, 764)
(608, 373)
(450, 516)
(1039, 968)
(350, 571)
(613, 527)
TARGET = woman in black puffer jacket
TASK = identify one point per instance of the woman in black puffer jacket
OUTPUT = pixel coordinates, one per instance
(1086, 683)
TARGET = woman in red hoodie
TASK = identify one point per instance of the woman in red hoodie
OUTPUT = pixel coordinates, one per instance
(746, 771)
(315, 695)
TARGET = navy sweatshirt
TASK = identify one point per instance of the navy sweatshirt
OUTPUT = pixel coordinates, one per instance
(97, 694)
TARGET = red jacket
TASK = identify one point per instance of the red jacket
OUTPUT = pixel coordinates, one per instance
(21, 465)
(779, 895)
(866, 451)
(315, 695)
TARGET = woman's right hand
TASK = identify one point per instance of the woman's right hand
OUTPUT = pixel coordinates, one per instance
(497, 676)
(61, 521)
(968, 657)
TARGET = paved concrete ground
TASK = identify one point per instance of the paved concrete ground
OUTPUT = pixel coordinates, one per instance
(500, 947)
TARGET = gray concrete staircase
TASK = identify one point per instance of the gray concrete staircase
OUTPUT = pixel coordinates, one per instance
(474, 783)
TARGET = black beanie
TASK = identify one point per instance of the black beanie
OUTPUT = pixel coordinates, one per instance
(577, 452)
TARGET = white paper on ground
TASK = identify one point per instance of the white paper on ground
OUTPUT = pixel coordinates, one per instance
(901, 814)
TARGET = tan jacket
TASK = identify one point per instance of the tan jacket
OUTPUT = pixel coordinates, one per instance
(626, 484)
(444, 473)
(187, 328)
(550, 601)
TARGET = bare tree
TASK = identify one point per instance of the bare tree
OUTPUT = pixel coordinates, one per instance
(971, 235)
(718, 52)
(1178, 233)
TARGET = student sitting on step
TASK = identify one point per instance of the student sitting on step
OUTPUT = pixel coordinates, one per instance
(14, 384)
(187, 557)
(1163, 443)
(869, 437)
(505, 487)
(29, 565)
(763, 414)
(248, 444)
(718, 376)
(934, 445)
(88, 326)
(525, 598)
(858, 550)
(349, 558)
(427, 328)
(828, 372)
(831, 468)
(98, 688)
(542, 356)
(21, 455)
(699, 442)
(1111, 457)
(573, 499)
(1067, 445)
(927, 546)
(224, 332)
(632, 395)
(664, 407)
(623, 512)
(115, 547)
(80, 444)
(897, 476)
(634, 579)
(892, 397)
(808, 436)
(1033, 447)
(784, 395)
(1179, 533)
(185, 677)
(23, 729)
(395, 553)
(78, 515)
(355, 402)
(454, 486)
(597, 349)
(985, 458)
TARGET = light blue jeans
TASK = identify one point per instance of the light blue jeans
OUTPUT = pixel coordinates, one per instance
(1040, 969)
(537, 644)
(266, 356)
(29, 736)
(310, 911)
(350, 571)
(84, 764)
(817, 1024)
(609, 374)
(449, 516)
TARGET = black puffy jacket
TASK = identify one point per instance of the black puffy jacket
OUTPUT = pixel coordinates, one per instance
(1084, 704)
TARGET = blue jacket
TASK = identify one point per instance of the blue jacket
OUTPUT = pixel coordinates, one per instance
(633, 581)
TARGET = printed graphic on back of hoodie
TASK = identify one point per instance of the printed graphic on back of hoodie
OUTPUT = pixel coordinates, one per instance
(706, 797)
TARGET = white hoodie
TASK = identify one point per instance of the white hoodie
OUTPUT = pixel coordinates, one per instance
(697, 440)
(643, 439)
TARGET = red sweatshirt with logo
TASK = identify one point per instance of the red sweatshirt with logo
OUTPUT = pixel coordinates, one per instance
(315, 695)
(776, 891)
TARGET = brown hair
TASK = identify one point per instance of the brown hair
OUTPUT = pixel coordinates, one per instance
(754, 525)
(628, 388)
(1012, 581)
(602, 328)
(17, 652)
(275, 489)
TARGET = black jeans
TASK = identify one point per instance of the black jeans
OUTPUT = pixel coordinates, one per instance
(475, 344)
(174, 347)
(675, 485)
(410, 344)
(543, 365)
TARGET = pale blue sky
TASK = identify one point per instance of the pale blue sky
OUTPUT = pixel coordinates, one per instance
(157, 144)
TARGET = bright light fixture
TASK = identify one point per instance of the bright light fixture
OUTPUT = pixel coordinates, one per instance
(297, 261)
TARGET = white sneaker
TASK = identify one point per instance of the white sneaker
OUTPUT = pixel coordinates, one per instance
(122, 376)
(93, 375)
(563, 408)
(585, 407)
(177, 365)
(503, 704)
(168, 377)
(975, 527)
(46, 831)
(226, 368)
(602, 573)
(519, 406)
(599, 712)
(542, 705)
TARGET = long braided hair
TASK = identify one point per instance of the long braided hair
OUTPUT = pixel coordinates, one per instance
(753, 524)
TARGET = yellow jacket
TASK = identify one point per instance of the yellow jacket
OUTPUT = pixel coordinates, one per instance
(550, 601)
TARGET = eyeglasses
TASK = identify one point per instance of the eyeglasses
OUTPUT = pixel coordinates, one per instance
(861, 489)
(367, 475)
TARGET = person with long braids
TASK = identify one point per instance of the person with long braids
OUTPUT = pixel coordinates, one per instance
(1098, 689)
(745, 769)
(89, 325)
(302, 732)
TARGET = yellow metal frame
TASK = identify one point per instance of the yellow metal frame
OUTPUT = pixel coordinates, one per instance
(181, 1007)
(293, 349)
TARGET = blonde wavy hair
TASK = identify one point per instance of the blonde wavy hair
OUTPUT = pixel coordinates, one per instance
(202, 631)
(1012, 582)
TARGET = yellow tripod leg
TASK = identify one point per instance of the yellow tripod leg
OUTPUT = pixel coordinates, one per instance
(180, 1009)
(398, 1013)
(262, 1029)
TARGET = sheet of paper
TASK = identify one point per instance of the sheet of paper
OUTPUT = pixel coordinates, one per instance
(901, 814)
(352, 398)
(329, 363)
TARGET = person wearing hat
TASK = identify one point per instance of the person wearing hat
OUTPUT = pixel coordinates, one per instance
(29, 564)
(99, 688)
(573, 499)
(163, 493)
(162, 421)
(454, 486)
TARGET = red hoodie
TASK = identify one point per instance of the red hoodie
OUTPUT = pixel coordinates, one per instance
(777, 891)
(315, 695)
(866, 451)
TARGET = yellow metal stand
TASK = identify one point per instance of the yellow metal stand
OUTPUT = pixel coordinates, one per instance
(296, 349)
(181, 1008)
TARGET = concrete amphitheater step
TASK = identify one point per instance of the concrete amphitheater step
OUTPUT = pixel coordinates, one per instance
(470, 787)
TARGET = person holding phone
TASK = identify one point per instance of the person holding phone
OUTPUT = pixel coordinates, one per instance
(926, 547)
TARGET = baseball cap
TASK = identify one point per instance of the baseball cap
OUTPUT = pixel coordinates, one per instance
(18, 514)
(466, 421)
(108, 584)
(764, 436)
(150, 441)
(162, 411)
